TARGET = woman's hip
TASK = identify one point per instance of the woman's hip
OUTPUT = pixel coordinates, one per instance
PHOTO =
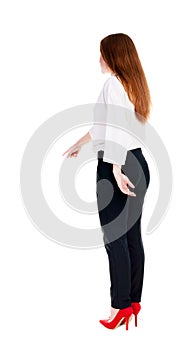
(135, 167)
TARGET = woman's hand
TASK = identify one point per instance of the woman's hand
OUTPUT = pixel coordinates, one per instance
(122, 181)
(73, 151)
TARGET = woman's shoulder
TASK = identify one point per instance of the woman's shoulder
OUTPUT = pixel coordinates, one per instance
(112, 81)
(113, 84)
(114, 91)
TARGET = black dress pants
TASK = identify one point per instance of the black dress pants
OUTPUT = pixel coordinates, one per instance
(120, 219)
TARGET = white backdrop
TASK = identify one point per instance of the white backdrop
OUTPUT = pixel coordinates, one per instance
(53, 296)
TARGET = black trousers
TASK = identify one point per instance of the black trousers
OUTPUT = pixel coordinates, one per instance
(120, 219)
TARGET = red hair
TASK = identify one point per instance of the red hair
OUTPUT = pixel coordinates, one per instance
(120, 54)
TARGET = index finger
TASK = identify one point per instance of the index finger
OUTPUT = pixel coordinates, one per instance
(130, 183)
(64, 153)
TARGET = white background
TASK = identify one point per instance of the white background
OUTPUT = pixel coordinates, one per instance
(52, 297)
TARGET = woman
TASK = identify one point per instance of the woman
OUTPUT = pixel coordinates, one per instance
(122, 166)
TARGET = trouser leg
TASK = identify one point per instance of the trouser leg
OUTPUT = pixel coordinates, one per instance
(134, 237)
(136, 251)
(120, 272)
(112, 206)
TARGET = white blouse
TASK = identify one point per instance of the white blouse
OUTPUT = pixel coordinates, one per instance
(113, 114)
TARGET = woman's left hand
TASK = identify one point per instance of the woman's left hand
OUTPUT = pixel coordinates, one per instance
(122, 181)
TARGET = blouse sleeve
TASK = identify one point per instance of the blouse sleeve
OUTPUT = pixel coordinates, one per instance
(115, 149)
(91, 132)
(97, 131)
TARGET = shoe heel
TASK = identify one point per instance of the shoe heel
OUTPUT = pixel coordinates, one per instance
(127, 322)
(135, 320)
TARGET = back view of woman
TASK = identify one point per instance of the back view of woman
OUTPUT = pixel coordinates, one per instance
(121, 163)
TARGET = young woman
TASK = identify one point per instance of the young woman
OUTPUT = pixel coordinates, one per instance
(123, 166)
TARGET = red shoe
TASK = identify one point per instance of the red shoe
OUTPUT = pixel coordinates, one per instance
(136, 309)
(122, 314)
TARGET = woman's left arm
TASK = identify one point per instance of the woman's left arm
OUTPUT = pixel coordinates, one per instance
(122, 180)
(75, 148)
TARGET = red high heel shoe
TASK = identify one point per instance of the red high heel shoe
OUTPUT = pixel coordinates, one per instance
(121, 314)
(136, 309)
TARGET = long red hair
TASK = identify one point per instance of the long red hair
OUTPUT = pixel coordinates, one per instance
(120, 54)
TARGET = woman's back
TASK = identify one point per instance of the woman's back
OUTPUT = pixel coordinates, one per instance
(114, 108)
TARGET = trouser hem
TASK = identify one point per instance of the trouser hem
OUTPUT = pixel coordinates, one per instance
(120, 306)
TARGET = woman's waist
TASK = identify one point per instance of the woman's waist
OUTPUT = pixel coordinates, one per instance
(135, 151)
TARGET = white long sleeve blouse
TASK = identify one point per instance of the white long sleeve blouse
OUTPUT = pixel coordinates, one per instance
(113, 114)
